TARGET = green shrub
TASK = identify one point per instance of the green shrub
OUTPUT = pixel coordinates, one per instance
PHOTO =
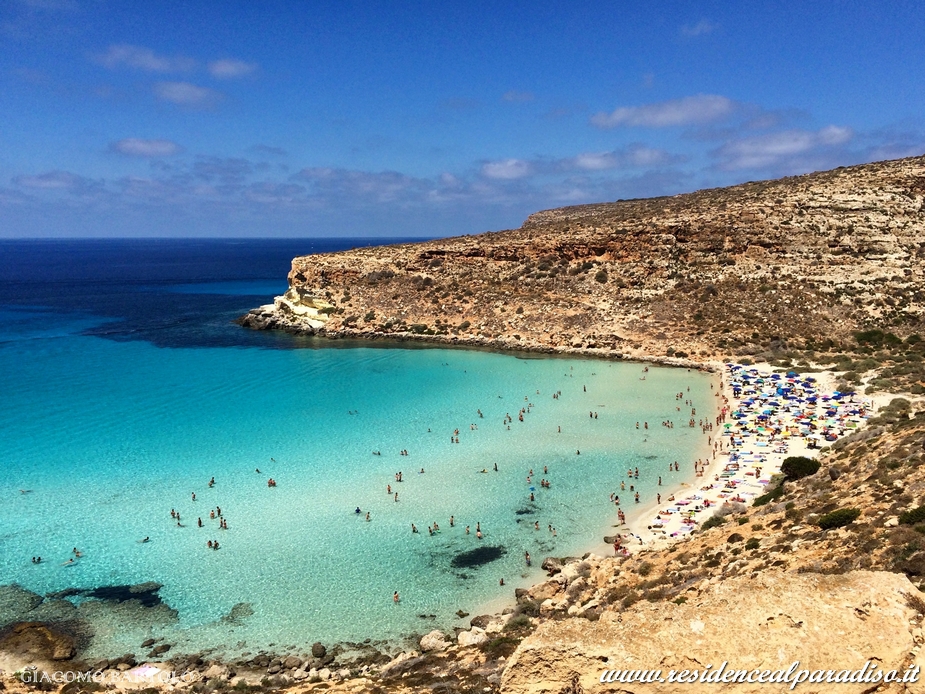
(839, 518)
(464, 325)
(797, 467)
(752, 543)
(601, 276)
(916, 515)
(770, 496)
(713, 522)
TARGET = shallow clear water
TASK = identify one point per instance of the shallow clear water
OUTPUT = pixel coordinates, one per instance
(111, 418)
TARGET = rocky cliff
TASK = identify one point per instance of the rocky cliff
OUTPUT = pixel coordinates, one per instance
(733, 270)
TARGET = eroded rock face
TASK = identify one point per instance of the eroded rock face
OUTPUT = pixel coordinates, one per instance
(765, 623)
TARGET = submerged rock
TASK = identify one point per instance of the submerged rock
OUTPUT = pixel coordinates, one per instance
(239, 612)
(477, 557)
(16, 602)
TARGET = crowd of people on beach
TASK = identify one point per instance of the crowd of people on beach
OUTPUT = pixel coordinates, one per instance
(765, 416)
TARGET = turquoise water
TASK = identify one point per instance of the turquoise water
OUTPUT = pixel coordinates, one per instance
(106, 436)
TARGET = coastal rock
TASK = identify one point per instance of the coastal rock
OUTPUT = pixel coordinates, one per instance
(785, 618)
(552, 565)
(292, 663)
(37, 640)
(434, 641)
(400, 664)
(473, 637)
(544, 591)
(318, 650)
(216, 672)
(324, 674)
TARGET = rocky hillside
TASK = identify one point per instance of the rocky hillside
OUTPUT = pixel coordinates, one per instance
(802, 261)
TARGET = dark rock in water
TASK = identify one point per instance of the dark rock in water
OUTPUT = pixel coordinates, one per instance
(145, 593)
(148, 643)
(461, 613)
(37, 640)
(318, 650)
(477, 557)
(524, 512)
(481, 621)
(553, 565)
(159, 650)
(610, 539)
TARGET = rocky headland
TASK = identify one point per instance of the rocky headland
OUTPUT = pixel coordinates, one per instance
(817, 272)
(796, 262)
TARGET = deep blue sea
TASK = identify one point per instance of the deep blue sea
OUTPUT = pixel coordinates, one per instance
(126, 388)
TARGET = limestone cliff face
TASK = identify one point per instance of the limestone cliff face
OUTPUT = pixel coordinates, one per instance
(765, 622)
(807, 257)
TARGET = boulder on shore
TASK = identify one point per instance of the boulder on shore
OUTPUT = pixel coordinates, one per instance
(434, 641)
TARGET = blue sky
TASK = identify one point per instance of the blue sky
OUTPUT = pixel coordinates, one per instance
(429, 119)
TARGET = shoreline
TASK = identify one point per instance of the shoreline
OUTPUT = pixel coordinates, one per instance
(650, 539)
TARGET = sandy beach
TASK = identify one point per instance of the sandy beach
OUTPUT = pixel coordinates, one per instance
(760, 418)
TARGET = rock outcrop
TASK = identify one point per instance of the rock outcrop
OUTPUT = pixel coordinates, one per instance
(38, 641)
(765, 622)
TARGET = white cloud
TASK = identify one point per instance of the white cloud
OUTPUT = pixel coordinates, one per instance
(145, 59)
(702, 108)
(136, 147)
(229, 68)
(699, 29)
(55, 180)
(634, 156)
(186, 94)
(506, 169)
(518, 97)
(776, 148)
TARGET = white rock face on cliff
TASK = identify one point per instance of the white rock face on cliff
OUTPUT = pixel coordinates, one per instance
(298, 303)
(827, 622)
